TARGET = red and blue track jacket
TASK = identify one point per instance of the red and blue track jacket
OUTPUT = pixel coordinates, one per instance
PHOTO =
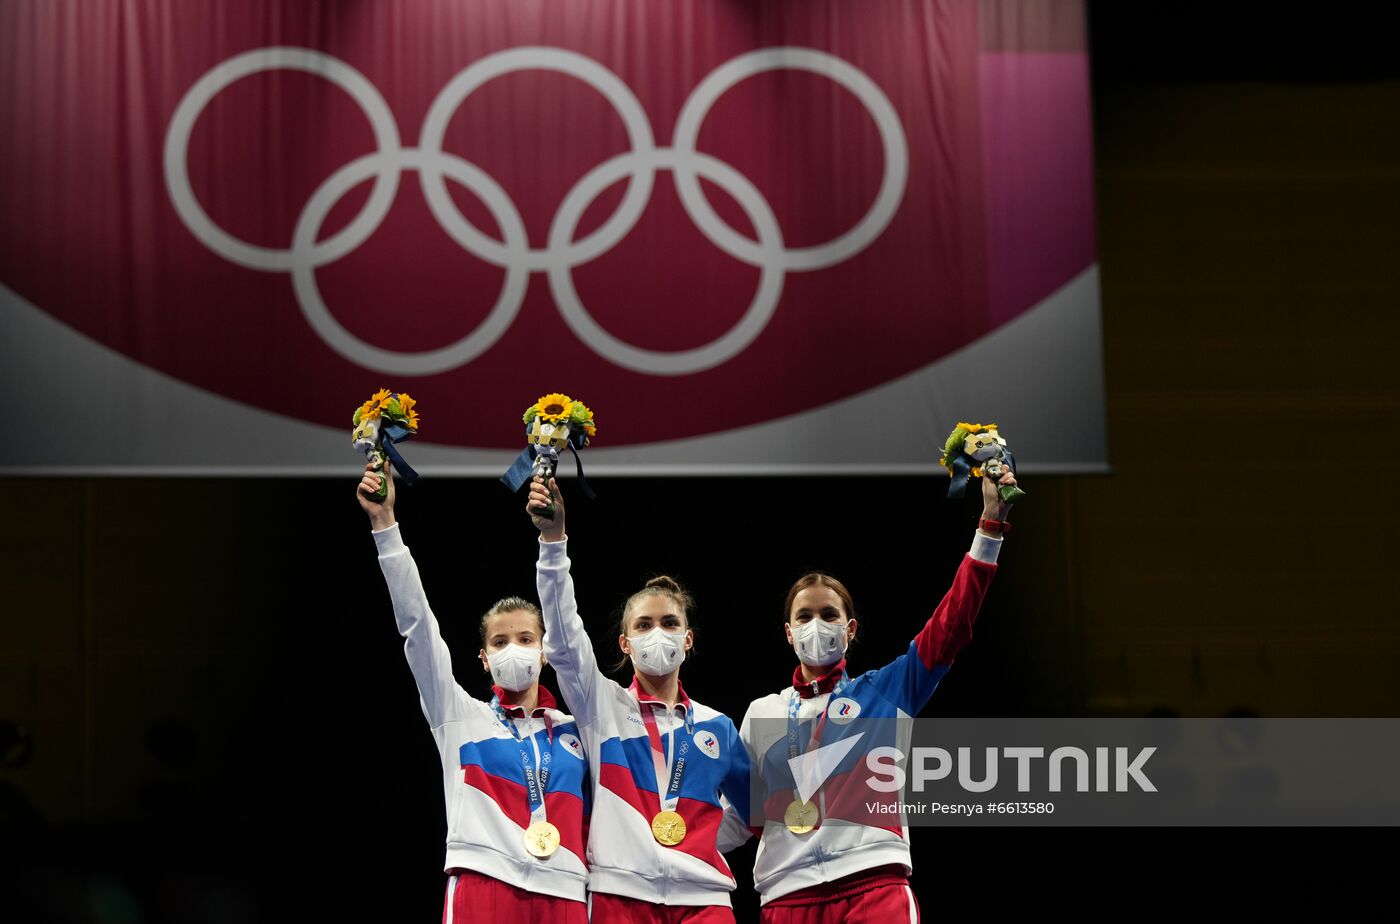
(789, 862)
(483, 780)
(623, 856)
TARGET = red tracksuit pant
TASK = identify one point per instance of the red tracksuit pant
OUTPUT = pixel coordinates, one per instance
(881, 898)
(477, 897)
(615, 909)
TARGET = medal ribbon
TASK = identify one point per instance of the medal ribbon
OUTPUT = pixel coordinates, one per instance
(669, 773)
(535, 782)
(795, 704)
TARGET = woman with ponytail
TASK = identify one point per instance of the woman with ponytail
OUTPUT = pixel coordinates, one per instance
(664, 766)
(514, 775)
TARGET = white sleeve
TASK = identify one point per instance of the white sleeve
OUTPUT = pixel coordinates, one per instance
(566, 643)
(735, 830)
(428, 657)
(984, 547)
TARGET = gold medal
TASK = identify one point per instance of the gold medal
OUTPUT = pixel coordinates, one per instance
(800, 817)
(541, 839)
(668, 828)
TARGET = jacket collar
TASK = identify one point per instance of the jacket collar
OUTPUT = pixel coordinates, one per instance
(823, 684)
(682, 700)
(545, 701)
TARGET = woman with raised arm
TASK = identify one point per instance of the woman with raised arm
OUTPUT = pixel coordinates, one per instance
(856, 869)
(664, 766)
(514, 773)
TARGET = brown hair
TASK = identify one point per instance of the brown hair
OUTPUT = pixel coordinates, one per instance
(510, 605)
(819, 579)
(663, 585)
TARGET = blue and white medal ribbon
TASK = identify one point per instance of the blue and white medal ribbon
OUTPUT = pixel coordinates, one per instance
(801, 815)
(541, 837)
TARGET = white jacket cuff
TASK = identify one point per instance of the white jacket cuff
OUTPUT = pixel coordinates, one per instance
(389, 540)
(984, 548)
(554, 553)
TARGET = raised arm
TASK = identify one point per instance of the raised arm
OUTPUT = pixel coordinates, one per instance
(428, 657)
(566, 643)
(911, 678)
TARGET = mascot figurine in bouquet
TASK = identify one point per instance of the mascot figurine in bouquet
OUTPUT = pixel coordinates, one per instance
(973, 450)
(385, 419)
(552, 424)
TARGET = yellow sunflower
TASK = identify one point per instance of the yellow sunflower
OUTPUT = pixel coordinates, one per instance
(555, 407)
(406, 402)
(975, 428)
(369, 410)
(380, 399)
(413, 420)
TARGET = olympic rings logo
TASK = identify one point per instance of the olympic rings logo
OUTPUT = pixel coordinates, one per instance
(562, 252)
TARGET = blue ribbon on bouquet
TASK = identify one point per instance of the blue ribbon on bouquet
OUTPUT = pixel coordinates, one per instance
(389, 434)
(524, 464)
(962, 470)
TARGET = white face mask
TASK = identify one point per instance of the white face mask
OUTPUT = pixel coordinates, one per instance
(818, 642)
(514, 667)
(657, 652)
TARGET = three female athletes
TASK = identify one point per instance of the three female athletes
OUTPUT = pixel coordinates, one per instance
(670, 777)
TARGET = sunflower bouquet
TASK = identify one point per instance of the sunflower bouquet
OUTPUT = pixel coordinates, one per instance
(385, 419)
(552, 424)
(976, 449)
(556, 411)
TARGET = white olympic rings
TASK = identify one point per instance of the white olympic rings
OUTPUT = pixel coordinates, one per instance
(561, 253)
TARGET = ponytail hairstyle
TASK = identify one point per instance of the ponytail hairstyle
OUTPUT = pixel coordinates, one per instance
(510, 605)
(663, 585)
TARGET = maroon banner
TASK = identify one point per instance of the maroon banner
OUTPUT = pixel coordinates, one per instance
(695, 216)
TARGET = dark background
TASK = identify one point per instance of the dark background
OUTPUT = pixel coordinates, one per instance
(204, 710)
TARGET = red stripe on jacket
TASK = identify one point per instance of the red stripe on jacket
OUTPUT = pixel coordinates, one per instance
(702, 820)
(563, 809)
